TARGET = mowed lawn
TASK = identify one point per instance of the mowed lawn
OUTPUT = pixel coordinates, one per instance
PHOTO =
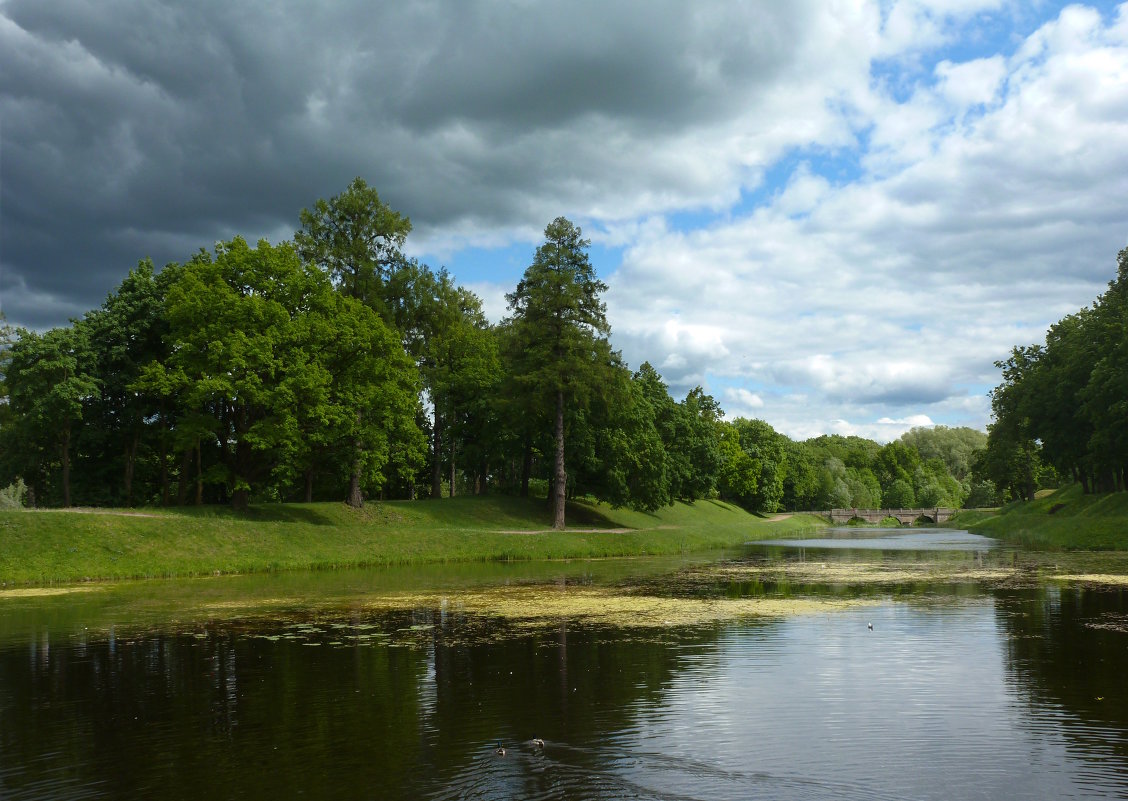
(40, 546)
(1064, 519)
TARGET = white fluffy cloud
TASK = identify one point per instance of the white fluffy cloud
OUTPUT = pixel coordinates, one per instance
(838, 215)
(993, 201)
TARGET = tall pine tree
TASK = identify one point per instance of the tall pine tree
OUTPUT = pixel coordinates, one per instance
(562, 324)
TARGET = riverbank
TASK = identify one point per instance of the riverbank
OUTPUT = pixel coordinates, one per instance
(47, 546)
(1066, 519)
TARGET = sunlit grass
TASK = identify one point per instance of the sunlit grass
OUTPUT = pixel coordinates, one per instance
(1064, 519)
(68, 546)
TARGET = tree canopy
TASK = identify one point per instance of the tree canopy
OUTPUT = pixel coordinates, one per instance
(1062, 406)
(334, 367)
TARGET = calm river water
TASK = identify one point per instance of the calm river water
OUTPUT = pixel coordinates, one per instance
(980, 678)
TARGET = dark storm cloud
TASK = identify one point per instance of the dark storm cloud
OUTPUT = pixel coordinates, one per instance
(135, 129)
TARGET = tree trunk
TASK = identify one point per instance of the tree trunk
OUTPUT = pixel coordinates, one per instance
(199, 474)
(452, 471)
(356, 498)
(437, 467)
(526, 466)
(241, 498)
(184, 480)
(164, 459)
(164, 475)
(66, 463)
(309, 485)
(130, 463)
(560, 477)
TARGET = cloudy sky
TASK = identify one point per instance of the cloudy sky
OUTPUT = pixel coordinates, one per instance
(833, 215)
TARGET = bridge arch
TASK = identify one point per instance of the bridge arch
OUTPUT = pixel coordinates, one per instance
(906, 517)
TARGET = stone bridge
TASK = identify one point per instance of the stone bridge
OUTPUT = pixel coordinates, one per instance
(905, 517)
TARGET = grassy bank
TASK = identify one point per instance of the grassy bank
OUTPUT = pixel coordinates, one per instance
(73, 545)
(1065, 519)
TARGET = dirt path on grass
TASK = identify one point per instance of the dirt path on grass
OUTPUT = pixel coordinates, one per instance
(570, 530)
(89, 510)
(567, 531)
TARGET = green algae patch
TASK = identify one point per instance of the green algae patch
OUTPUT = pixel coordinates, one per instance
(548, 605)
(1093, 578)
(1110, 621)
(493, 615)
(45, 592)
(483, 615)
(863, 573)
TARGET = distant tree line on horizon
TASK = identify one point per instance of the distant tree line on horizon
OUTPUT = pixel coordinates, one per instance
(334, 367)
(1062, 406)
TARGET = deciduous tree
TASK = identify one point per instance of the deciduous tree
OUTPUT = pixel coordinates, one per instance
(49, 382)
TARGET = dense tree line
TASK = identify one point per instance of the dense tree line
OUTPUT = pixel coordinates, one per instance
(334, 367)
(927, 467)
(1062, 407)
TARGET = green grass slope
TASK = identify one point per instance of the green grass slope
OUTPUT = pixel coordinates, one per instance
(72, 545)
(1065, 519)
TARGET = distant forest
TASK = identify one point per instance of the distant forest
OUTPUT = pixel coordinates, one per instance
(332, 367)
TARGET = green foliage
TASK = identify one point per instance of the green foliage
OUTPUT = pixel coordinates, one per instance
(559, 318)
(322, 369)
(13, 496)
(753, 464)
(459, 361)
(1065, 403)
(49, 380)
(739, 475)
(843, 472)
(853, 451)
(865, 490)
(956, 447)
(336, 368)
(693, 445)
(627, 463)
(356, 239)
(128, 426)
(899, 495)
(983, 494)
(279, 366)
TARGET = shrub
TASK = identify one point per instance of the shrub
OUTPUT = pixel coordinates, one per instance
(14, 495)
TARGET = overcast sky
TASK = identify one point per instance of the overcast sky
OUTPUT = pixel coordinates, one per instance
(834, 216)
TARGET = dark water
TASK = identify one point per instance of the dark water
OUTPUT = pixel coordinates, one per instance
(961, 690)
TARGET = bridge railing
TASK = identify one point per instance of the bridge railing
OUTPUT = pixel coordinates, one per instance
(933, 512)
